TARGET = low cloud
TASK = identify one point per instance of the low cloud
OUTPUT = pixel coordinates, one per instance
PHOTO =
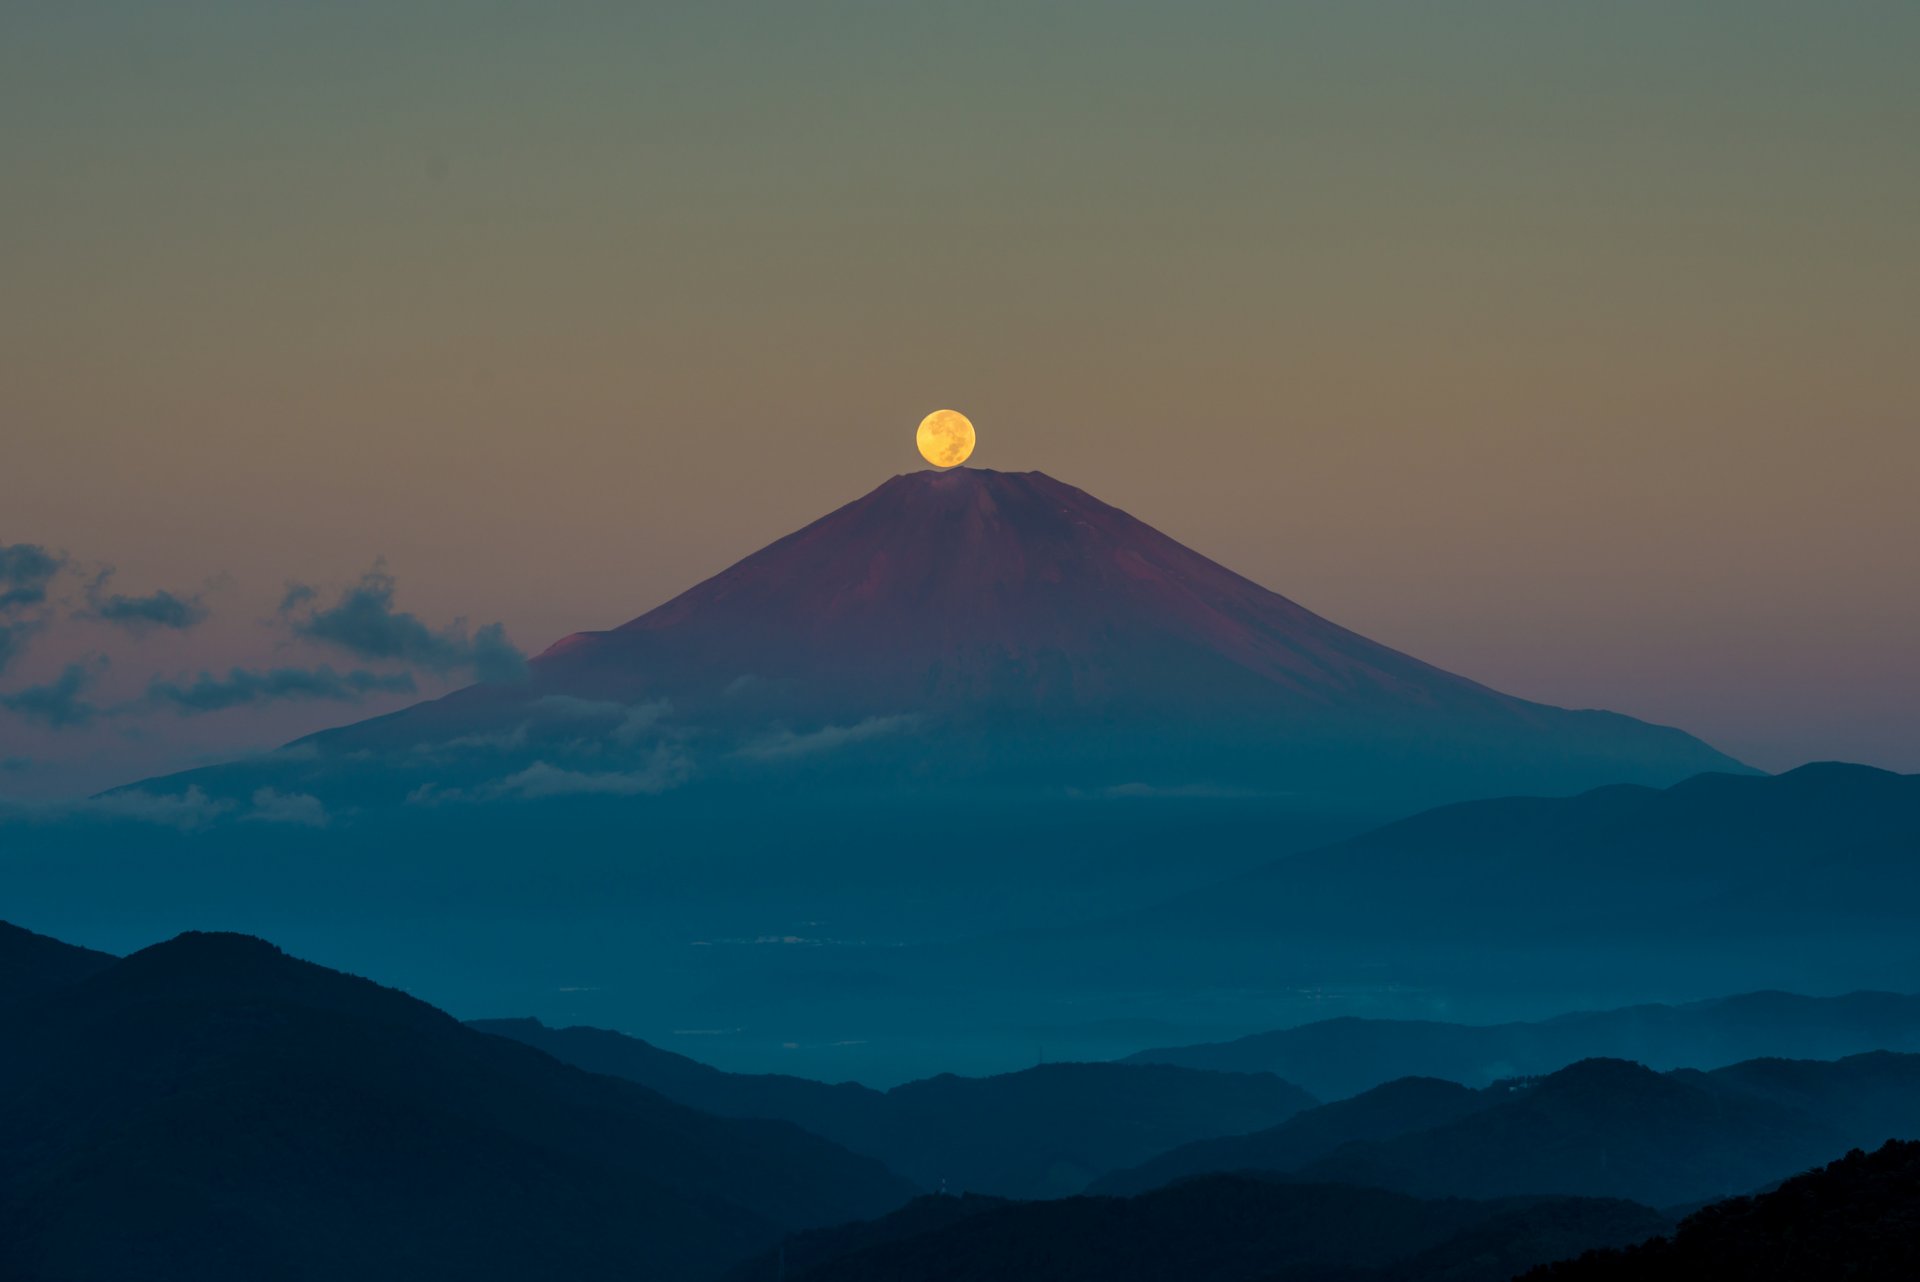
(243, 686)
(25, 571)
(628, 722)
(190, 809)
(59, 704)
(142, 614)
(272, 806)
(781, 745)
(667, 770)
(364, 622)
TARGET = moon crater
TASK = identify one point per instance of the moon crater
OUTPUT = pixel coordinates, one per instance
(945, 438)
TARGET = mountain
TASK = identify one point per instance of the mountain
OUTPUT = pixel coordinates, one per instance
(968, 630)
(1339, 1057)
(1041, 1132)
(1221, 1228)
(1856, 1218)
(1383, 1113)
(1607, 1128)
(33, 964)
(1805, 880)
(1599, 1128)
(210, 1108)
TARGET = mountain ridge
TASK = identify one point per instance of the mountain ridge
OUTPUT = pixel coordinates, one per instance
(985, 629)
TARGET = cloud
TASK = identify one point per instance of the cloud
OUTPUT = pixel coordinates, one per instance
(541, 779)
(667, 769)
(142, 614)
(780, 745)
(189, 809)
(272, 806)
(630, 720)
(13, 640)
(58, 704)
(244, 686)
(15, 765)
(364, 622)
(25, 571)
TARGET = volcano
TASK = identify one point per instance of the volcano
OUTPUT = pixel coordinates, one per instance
(973, 628)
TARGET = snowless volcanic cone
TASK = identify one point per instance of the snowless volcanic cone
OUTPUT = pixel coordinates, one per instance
(954, 628)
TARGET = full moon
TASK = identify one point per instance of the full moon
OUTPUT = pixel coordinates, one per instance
(945, 438)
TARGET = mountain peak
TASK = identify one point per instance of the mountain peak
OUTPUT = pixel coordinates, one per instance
(1010, 628)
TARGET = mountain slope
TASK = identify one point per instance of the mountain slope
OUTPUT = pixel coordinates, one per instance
(1607, 1128)
(1041, 1132)
(1340, 1057)
(952, 631)
(31, 964)
(1213, 1229)
(1383, 1113)
(1805, 880)
(1599, 1128)
(209, 1108)
(1855, 1218)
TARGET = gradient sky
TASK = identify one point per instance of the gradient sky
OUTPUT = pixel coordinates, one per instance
(1572, 348)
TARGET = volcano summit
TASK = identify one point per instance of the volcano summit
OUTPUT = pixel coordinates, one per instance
(972, 630)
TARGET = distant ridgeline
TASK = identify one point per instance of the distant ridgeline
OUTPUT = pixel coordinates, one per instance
(971, 633)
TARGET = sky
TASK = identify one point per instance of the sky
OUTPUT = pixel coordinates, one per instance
(1570, 348)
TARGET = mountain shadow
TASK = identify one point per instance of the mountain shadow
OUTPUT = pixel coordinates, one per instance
(31, 965)
(1857, 1218)
(1041, 1132)
(1220, 1228)
(209, 1108)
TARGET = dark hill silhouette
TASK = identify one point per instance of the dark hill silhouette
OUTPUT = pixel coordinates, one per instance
(1856, 1218)
(1394, 1109)
(1041, 1132)
(1221, 1228)
(210, 1108)
(1339, 1057)
(1598, 1128)
(31, 964)
(973, 629)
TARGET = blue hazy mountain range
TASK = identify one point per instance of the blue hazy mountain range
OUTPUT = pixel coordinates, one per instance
(887, 942)
(211, 1108)
(1336, 1058)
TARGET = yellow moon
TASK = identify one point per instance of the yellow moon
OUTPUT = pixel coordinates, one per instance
(945, 438)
